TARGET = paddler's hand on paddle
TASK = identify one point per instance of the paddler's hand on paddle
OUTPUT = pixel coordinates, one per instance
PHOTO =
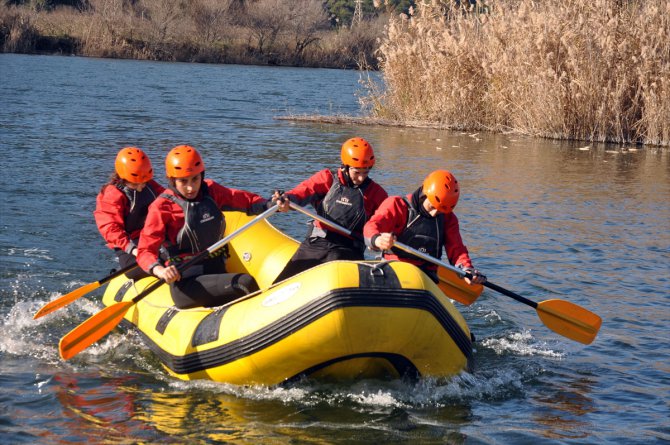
(168, 274)
(283, 202)
(477, 276)
(384, 241)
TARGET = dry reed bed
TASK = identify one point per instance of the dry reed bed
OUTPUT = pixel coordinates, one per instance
(596, 70)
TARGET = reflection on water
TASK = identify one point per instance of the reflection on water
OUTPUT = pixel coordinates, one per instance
(121, 411)
(100, 410)
(561, 409)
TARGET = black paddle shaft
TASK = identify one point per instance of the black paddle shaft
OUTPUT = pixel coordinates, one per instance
(118, 273)
(511, 294)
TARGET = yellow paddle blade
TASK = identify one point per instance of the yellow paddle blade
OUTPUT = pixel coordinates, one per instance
(93, 329)
(569, 320)
(456, 288)
(65, 299)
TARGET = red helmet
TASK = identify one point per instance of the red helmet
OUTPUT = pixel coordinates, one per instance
(357, 152)
(183, 161)
(133, 165)
(442, 190)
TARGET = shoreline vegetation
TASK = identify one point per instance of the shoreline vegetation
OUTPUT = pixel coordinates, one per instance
(307, 33)
(591, 70)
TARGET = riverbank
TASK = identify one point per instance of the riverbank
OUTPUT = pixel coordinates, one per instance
(266, 32)
(516, 68)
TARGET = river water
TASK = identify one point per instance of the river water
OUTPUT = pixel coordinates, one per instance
(569, 220)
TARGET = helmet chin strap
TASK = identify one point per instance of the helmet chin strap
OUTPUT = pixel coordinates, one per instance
(345, 170)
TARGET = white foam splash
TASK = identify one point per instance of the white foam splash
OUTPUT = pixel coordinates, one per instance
(492, 317)
(373, 394)
(37, 253)
(521, 343)
(113, 342)
(255, 392)
(379, 398)
(25, 338)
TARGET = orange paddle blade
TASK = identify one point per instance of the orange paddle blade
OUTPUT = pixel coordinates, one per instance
(569, 320)
(93, 329)
(456, 288)
(65, 299)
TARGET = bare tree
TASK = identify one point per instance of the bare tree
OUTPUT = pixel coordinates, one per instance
(266, 19)
(210, 17)
(106, 18)
(307, 18)
(295, 22)
(164, 14)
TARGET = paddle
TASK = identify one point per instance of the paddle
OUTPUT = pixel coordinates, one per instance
(80, 292)
(565, 318)
(568, 319)
(101, 323)
(451, 283)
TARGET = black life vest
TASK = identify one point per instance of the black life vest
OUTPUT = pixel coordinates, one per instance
(203, 224)
(345, 205)
(424, 234)
(139, 206)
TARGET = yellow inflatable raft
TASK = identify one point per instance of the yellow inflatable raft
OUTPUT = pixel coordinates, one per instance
(340, 320)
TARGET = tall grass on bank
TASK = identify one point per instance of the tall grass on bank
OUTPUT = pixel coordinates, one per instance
(262, 32)
(596, 70)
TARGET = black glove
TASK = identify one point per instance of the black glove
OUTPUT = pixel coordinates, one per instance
(473, 272)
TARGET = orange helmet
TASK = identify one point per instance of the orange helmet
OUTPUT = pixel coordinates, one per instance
(183, 161)
(357, 152)
(133, 165)
(442, 190)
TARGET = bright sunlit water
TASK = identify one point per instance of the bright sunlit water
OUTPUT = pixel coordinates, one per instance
(569, 220)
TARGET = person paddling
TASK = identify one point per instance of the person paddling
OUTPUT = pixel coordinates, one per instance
(122, 205)
(187, 218)
(425, 221)
(346, 196)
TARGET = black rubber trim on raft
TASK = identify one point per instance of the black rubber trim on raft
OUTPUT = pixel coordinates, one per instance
(122, 290)
(208, 329)
(401, 364)
(380, 275)
(167, 316)
(293, 322)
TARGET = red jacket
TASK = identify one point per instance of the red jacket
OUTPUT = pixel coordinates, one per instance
(391, 217)
(314, 189)
(166, 218)
(111, 208)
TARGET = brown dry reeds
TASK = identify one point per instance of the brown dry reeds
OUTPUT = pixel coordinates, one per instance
(596, 70)
(17, 32)
(220, 31)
